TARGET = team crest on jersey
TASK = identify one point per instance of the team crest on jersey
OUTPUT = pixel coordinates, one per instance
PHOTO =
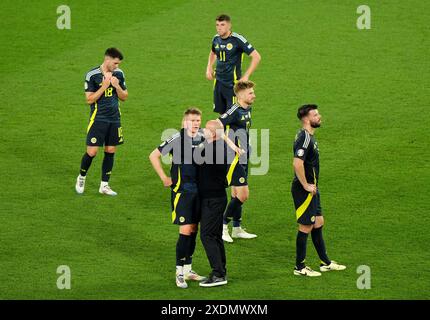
(181, 219)
(93, 140)
(242, 180)
(229, 46)
(300, 152)
(247, 116)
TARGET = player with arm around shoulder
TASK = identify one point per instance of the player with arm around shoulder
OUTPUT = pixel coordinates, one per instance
(185, 200)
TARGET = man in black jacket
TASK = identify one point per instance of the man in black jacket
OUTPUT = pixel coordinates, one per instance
(212, 182)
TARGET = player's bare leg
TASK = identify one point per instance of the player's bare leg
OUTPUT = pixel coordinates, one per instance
(85, 165)
(107, 171)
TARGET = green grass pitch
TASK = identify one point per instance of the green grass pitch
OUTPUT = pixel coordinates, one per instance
(372, 87)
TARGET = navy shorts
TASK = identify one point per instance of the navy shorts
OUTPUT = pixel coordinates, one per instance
(224, 97)
(104, 134)
(237, 173)
(185, 208)
(307, 206)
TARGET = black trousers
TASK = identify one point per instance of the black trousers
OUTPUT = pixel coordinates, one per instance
(212, 210)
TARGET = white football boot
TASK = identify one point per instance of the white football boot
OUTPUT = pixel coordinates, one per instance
(180, 280)
(190, 274)
(80, 184)
(306, 271)
(225, 235)
(105, 189)
(333, 266)
(238, 232)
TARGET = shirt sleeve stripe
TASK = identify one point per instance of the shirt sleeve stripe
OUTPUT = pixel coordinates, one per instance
(91, 73)
(240, 37)
(232, 109)
(307, 139)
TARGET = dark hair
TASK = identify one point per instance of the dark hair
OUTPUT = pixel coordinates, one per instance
(223, 17)
(114, 53)
(243, 85)
(192, 110)
(304, 110)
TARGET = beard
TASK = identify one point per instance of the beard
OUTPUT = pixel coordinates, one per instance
(315, 125)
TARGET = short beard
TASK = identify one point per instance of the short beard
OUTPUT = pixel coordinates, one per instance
(315, 125)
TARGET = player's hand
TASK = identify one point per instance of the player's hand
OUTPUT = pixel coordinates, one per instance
(244, 78)
(167, 182)
(209, 74)
(239, 151)
(115, 82)
(106, 80)
(311, 188)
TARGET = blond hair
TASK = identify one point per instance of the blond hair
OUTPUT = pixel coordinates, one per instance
(243, 85)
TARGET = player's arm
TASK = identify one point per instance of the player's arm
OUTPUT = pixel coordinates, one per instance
(155, 158)
(122, 94)
(94, 96)
(210, 67)
(247, 48)
(224, 120)
(120, 88)
(255, 60)
(299, 169)
(232, 145)
(217, 131)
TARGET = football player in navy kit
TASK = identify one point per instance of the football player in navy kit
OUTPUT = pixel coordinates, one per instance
(237, 122)
(104, 87)
(185, 200)
(306, 196)
(227, 50)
